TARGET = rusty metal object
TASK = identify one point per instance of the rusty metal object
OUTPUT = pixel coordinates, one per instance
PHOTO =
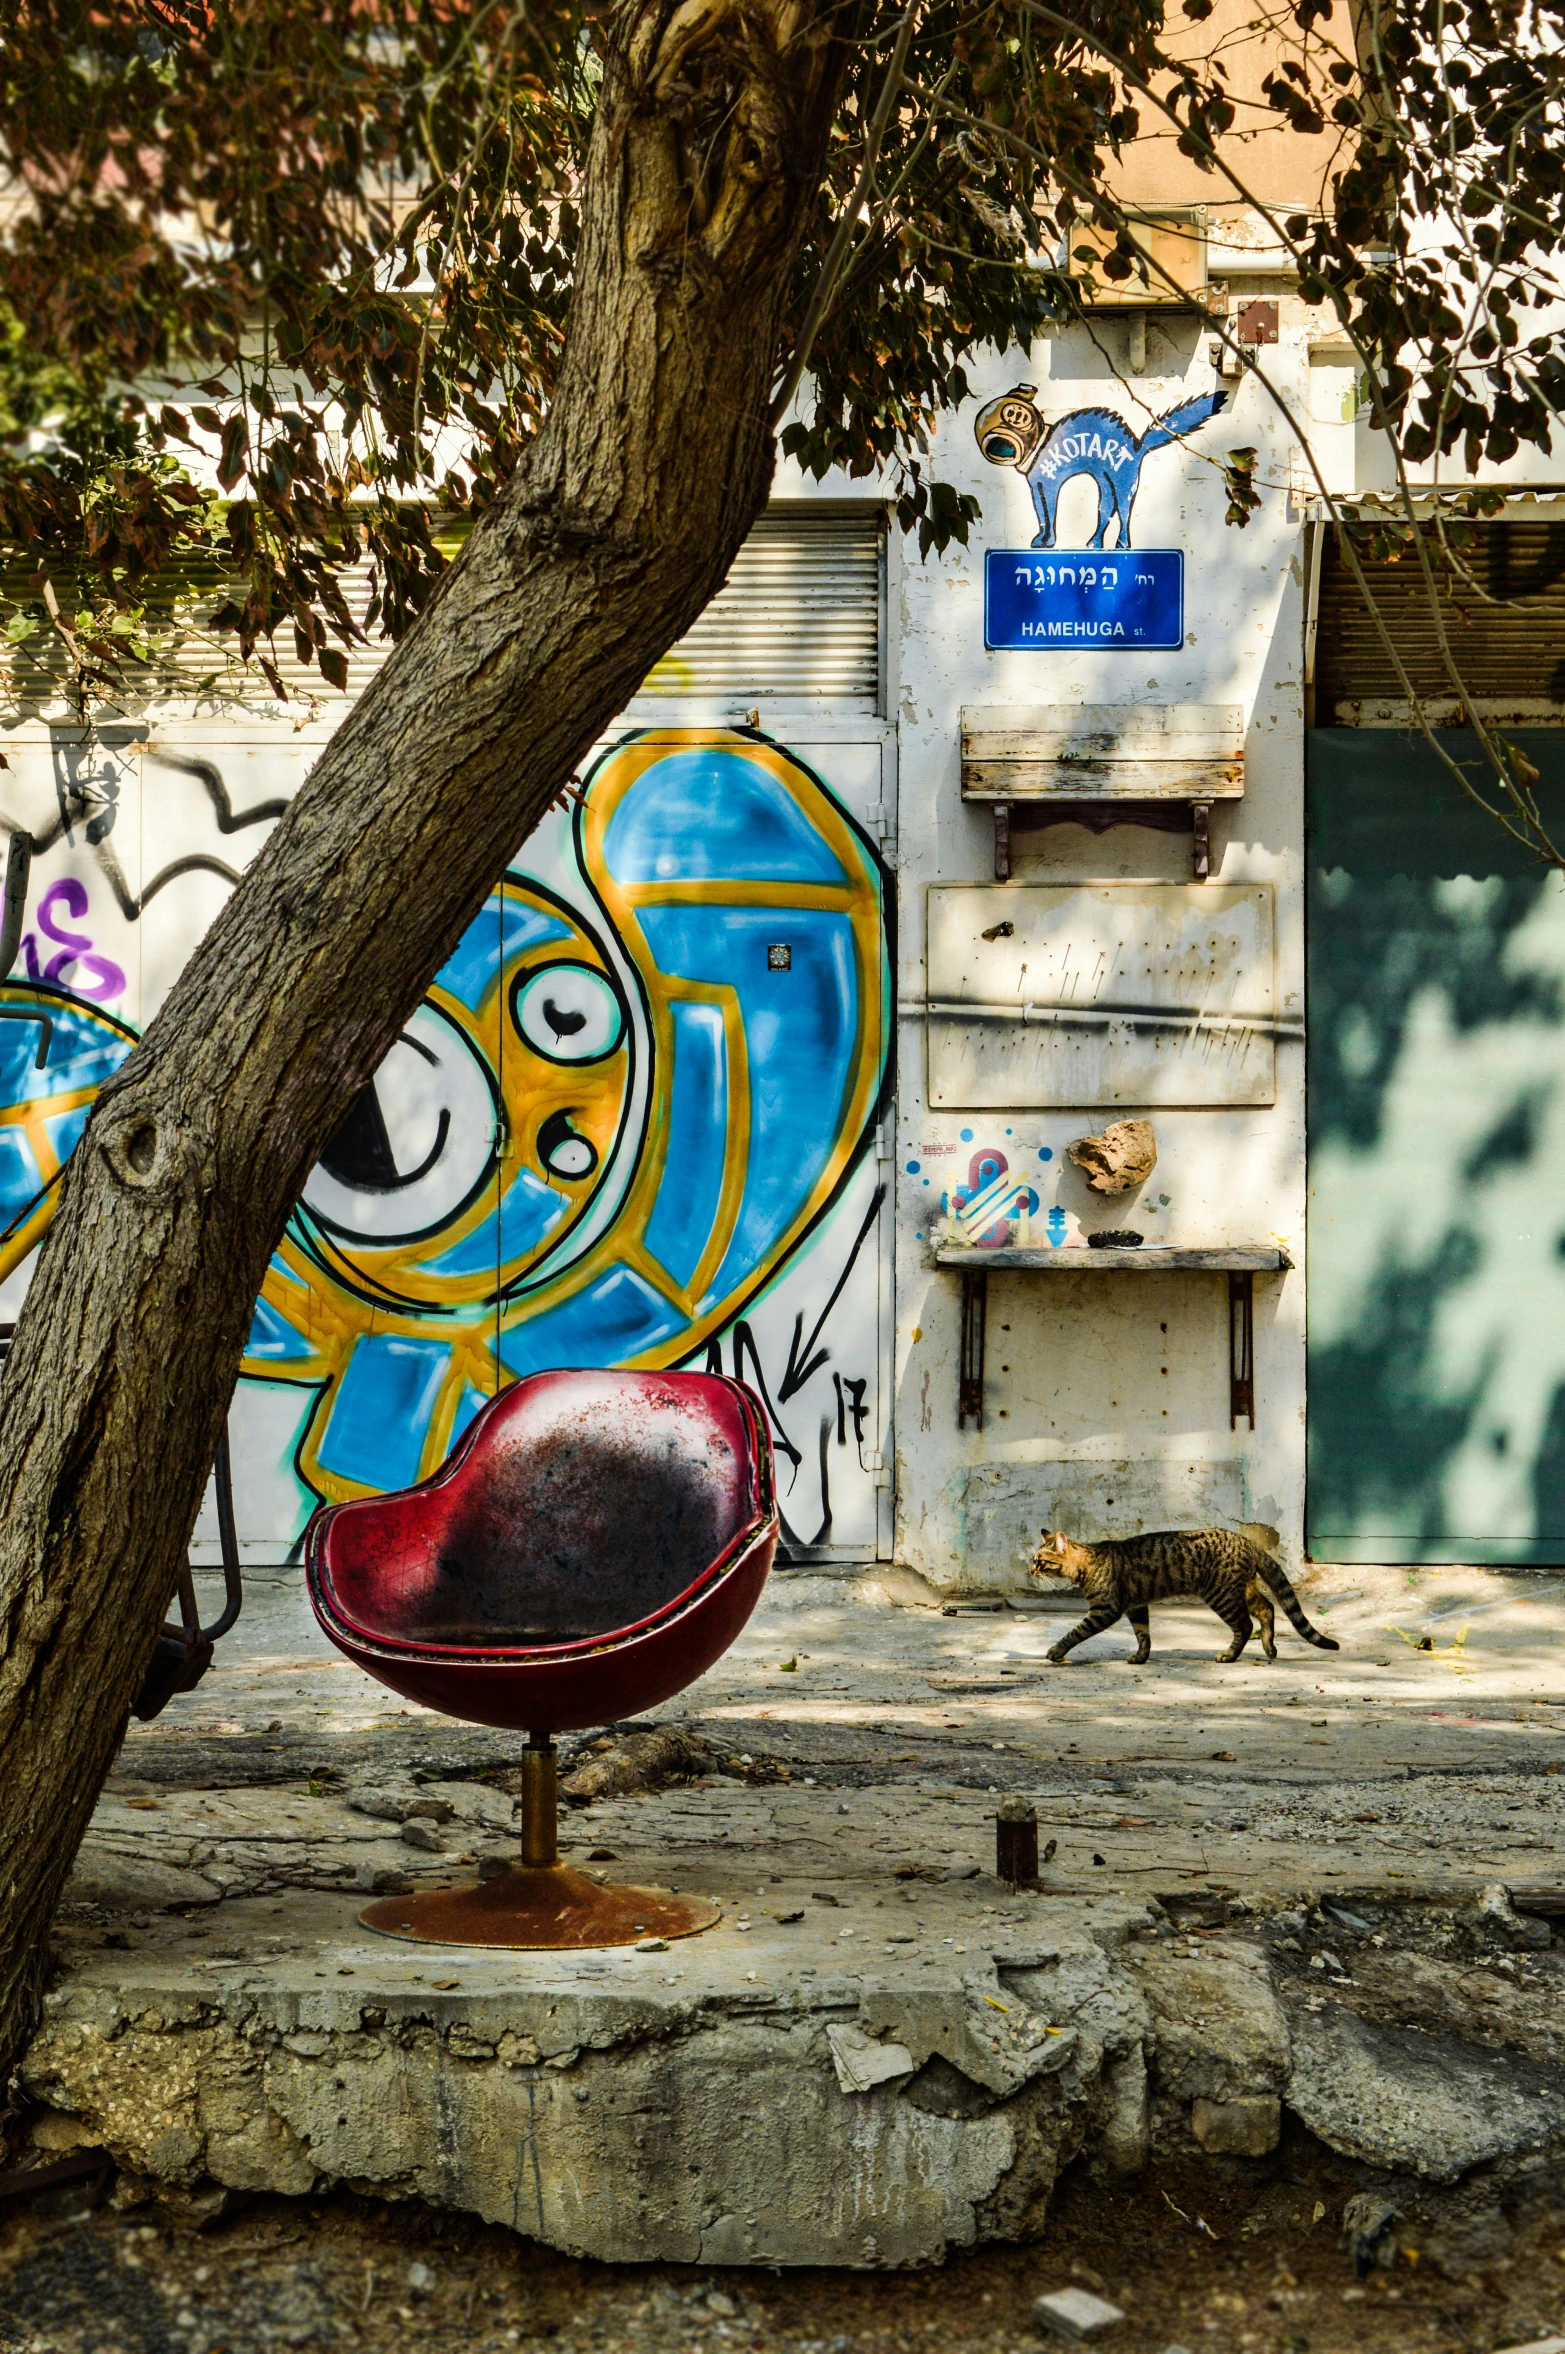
(1241, 1349)
(1201, 841)
(1016, 1843)
(540, 1905)
(970, 1370)
(540, 1803)
(541, 1909)
(184, 1650)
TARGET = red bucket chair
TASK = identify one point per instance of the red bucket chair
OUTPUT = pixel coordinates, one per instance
(592, 1544)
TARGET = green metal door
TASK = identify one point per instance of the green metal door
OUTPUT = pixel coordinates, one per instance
(1436, 1108)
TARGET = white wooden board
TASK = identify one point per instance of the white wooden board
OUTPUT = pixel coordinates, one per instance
(1101, 994)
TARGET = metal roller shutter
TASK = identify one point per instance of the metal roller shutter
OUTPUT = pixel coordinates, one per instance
(35, 674)
(1506, 628)
(798, 620)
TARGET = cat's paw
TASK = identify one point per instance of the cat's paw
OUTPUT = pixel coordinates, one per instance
(1058, 1656)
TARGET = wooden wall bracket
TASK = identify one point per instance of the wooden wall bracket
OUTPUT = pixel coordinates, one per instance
(1201, 841)
(1167, 817)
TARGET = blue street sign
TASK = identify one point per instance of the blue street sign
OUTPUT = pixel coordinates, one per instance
(1093, 600)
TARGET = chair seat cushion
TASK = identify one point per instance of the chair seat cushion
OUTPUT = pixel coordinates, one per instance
(579, 1505)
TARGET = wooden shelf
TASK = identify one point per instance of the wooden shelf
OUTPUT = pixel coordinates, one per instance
(1150, 1259)
(1239, 1262)
(1103, 764)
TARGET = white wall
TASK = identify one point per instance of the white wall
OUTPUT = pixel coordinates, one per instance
(1107, 1402)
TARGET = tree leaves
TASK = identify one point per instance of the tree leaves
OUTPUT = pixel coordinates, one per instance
(368, 328)
(1238, 469)
(231, 463)
(313, 143)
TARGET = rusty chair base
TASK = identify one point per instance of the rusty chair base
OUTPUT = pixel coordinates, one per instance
(541, 1909)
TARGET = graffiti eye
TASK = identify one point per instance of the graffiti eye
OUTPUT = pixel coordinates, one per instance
(1003, 452)
(568, 1013)
(563, 1150)
(417, 1143)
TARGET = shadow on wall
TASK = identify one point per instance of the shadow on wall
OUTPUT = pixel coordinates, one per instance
(1436, 968)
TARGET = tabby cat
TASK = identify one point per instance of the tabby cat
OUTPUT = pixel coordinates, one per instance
(1120, 1578)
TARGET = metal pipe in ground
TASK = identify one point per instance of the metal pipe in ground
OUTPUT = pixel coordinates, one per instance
(1016, 1843)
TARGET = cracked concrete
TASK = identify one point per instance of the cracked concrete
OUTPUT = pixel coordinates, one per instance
(691, 2113)
(1190, 1970)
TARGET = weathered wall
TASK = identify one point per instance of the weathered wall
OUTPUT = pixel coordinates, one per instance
(407, 1291)
(1107, 1403)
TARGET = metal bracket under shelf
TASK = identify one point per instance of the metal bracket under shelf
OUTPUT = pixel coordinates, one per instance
(1166, 817)
(976, 1266)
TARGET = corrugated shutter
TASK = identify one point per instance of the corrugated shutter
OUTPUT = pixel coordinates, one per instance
(36, 673)
(1506, 629)
(798, 619)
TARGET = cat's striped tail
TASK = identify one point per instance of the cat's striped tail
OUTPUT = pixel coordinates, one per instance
(1277, 1580)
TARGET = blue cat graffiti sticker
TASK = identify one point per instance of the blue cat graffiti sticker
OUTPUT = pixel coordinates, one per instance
(1012, 431)
(610, 1123)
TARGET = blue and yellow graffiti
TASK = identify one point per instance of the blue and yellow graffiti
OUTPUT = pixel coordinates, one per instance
(626, 1100)
(56, 1052)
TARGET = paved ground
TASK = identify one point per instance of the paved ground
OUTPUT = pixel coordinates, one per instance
(1382, 1761)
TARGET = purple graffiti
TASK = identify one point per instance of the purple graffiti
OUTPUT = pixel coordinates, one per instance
(99, 980)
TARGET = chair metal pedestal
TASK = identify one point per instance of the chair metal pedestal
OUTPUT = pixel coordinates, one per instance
(541, 1904)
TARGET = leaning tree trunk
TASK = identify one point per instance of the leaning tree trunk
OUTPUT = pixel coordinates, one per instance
(618, 526)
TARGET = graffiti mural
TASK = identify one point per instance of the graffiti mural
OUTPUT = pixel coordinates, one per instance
(1012, 431)
(631, 1123)
(56, 1052)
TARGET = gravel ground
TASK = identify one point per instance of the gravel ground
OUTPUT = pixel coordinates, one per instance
(1250, 2258)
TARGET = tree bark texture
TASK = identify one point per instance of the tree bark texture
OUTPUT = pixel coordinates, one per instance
(618, 526)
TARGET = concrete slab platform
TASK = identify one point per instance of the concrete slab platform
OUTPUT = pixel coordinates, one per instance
(1273, 1887)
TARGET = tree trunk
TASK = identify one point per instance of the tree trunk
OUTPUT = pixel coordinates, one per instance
(618, 526)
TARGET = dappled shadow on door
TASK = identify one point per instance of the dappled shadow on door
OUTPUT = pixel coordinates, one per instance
(1437, 1163)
